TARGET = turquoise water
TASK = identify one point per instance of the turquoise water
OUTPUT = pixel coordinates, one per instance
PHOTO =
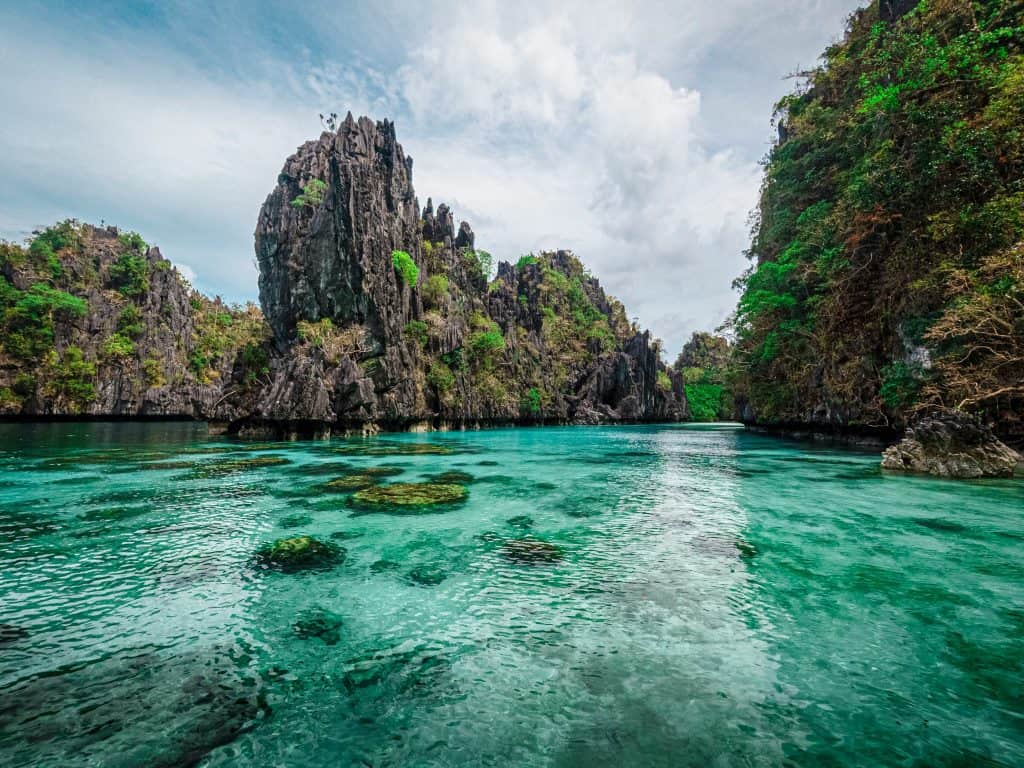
(724, 599)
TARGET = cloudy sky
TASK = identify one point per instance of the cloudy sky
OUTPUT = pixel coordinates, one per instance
(628, 132)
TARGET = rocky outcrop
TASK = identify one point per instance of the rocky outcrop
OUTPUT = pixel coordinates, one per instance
(97, 324)
(363, 343)
(951, 444)
(891, 10)
(375, 315)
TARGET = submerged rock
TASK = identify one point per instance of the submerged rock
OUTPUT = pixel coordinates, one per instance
(222, 467)
(132, 709)
(394, 449)
(10, 633)
(382, 471)
(321, 468)
(295, 521)
(520, 521)
(531, 551)
(299, 553)
(408, 498)
(320, 624)
(427, 575)
(383, 566)
(349, 483)
(452, 476)
(951, 444)
(169, 465)
(346, 535)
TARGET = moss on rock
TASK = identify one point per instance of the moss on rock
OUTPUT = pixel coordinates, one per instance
(349, 483)
(409, 498)
(299, 553)
(220, 468)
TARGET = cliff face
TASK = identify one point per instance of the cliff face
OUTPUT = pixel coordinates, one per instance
(383, 315)
(888, 274)
(96, 323)
(376, 314)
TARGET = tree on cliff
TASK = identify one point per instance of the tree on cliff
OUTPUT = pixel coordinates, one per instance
(886, 274)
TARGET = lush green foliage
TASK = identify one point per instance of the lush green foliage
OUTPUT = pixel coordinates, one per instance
(154, 371)
(220, 331)
(129, 274)
(119, 346)
(900, 165)
(405, 267)
(664, 382)
(312, 195)
(130, 322)
(255, 361)
(485, 341)
(440, 376)
(132, 241)
(28, 318)
(417, 331)
(482, 261)
(71, 377)
(531, 402)
(526, 259)
(48, 243)
(435, 289)
(705, 401)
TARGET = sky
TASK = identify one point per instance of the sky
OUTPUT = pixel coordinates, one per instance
(630, 133)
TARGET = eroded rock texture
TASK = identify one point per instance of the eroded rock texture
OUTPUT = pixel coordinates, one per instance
(359, 344)
(97, 323)
(376, 314)
(951, 444)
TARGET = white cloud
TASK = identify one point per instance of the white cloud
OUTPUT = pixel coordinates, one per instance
(629, 133)
(603, 155)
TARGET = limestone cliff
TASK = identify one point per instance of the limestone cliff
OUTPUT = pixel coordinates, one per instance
(887, 276)
(96, 323)
(383, 314)
(375, 314)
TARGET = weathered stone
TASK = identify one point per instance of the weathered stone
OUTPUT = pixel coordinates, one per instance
(427, 575)
(405, 498)
(951, 444)
(378, 350)
(299, 553)
(320, 624)
(531, 551)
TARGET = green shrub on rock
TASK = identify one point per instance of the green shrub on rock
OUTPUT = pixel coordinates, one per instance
(417, 331)
(405, 267)
(129, 274)
(130, 322)
(71, 376)
(435, 289)
(119, 346)
(312, 195)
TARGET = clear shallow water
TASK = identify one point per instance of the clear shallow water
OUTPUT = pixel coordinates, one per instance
(725, 599)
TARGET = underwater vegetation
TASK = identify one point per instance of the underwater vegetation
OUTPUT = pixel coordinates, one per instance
(408, 498)
(300, 553)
